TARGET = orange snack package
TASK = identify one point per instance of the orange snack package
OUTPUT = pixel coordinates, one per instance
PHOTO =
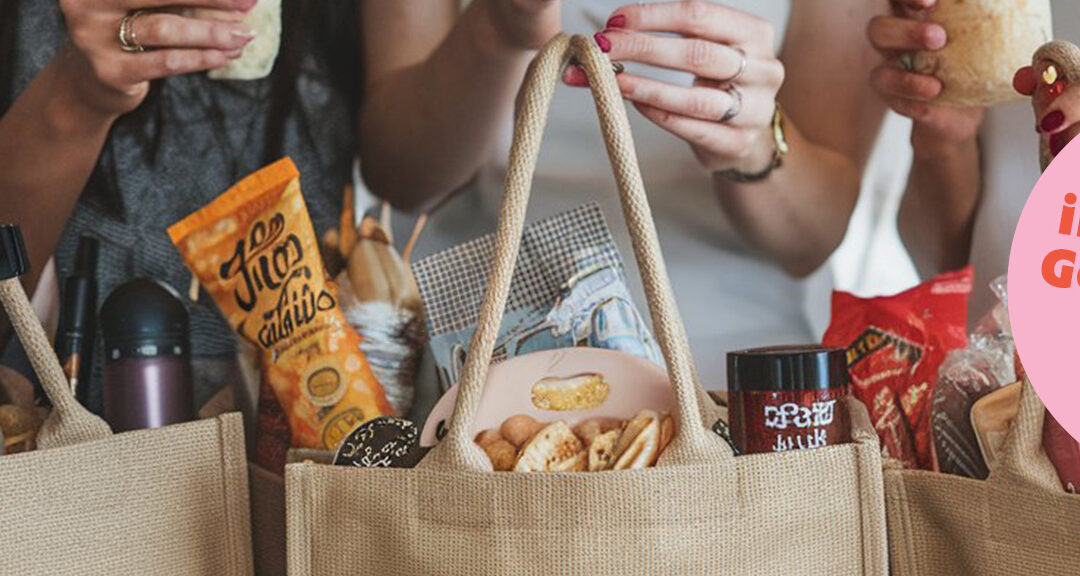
(255, 252)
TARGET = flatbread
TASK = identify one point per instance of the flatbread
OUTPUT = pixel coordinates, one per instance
(258, 58)
(989, 40)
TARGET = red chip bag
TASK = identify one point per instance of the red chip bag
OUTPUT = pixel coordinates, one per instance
(895, 346)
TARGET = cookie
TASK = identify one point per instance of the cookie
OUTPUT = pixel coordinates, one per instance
(553, 449)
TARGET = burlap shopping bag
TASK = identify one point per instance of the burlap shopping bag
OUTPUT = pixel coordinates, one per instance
(267, 520)
(700, 511)
(167, 502)
(1017, 521)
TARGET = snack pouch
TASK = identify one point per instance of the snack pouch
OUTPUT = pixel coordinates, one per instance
(569, 289)
(895, 346)
(255, 252)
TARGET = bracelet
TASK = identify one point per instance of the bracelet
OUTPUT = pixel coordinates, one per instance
(779, 151)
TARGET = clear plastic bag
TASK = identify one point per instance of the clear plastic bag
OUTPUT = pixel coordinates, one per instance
(966, 375)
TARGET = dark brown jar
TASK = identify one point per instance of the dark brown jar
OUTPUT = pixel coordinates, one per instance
(787, 398)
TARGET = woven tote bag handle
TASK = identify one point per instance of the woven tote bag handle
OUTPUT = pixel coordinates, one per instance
(694, 444)
(1023, 457)
(68, 423)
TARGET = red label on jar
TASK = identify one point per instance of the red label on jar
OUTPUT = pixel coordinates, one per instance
(789, 420)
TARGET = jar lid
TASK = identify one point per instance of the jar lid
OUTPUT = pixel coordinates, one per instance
(787, 368)
(144, 317)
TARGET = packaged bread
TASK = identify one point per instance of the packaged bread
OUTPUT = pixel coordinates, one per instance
(992, 417)
(264, 20)
(988, 41)
(255, 252)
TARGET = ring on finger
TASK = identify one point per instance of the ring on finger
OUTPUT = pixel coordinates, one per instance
(736, 104)
(906, 61)
(742, 66)
(616, 66)
(129, 42)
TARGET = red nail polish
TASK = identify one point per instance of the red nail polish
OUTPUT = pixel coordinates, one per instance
(1052, 121)
(1057, 143)
(616, 21)
(575, 76)
(603, 42)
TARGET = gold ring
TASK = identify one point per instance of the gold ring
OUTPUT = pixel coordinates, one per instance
(128, 41)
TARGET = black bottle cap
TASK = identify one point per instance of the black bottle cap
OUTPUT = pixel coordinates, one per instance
(787, 368)
(77, 309)
(86, 257)
(144, 318)
(13, 258)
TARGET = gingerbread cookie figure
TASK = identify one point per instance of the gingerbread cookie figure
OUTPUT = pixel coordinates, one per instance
(1050, 82)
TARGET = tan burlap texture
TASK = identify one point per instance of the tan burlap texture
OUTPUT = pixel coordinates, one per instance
(167, 502)
(1018, 521)
(267, 520)
(700, 511)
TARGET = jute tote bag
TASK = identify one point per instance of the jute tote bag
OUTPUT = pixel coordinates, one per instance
(267, 520)
(167, 502)
(700, 511)
(1017, 521)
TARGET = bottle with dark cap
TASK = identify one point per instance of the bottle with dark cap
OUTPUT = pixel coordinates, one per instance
(144, 326)
(75, 332)
(787, 398)
(13, 259)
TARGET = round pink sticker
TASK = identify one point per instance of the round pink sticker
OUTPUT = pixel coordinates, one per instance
(1044, 288)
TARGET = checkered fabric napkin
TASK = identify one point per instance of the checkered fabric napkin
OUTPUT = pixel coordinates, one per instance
(452, 282)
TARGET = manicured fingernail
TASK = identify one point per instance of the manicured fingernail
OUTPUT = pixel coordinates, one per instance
(1052, 121)
(934, 37)
(1024, 81)
(1057, 143)
(603, 42)
(616, 21)
(244, 33)
(575, 76)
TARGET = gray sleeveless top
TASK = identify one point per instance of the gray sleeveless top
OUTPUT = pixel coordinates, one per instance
(191, 140)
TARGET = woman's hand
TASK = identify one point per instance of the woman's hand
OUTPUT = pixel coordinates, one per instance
(726, 116)
(1057, 104)
(911, 94)
(525, 24)
(113, 81)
